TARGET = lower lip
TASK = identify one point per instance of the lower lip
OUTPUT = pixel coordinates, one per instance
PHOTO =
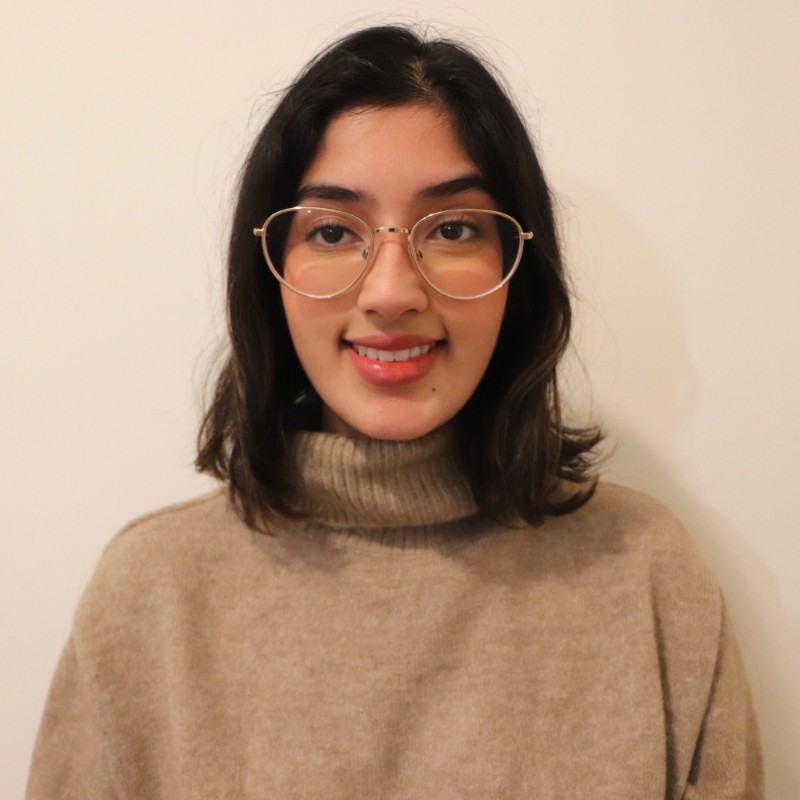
(394, 373)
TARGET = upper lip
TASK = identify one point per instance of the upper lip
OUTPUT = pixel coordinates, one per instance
(383, 342)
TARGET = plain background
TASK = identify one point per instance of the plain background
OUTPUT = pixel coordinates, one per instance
(670, 132)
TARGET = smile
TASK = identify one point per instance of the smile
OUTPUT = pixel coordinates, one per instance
(401, 361)
(392, 355)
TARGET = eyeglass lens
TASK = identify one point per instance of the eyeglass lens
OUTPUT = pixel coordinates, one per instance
(463, 253)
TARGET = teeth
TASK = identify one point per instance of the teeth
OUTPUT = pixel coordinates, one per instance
(392, 355)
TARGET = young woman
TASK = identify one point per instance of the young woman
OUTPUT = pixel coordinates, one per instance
(411, 585)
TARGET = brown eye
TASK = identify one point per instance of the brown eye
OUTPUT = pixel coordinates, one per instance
(451, 230)
(332, 234)
(455, 230)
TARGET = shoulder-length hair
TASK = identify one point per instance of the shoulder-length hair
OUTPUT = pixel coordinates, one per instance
(513, 445)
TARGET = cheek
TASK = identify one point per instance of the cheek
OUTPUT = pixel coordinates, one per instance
(316, 329)
(474, 334)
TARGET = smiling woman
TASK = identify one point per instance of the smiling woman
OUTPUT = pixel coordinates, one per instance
(410, 577)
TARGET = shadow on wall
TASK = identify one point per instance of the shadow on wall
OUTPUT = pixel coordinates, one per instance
(631, 335)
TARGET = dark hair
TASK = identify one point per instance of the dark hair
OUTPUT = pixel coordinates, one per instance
(514, 446)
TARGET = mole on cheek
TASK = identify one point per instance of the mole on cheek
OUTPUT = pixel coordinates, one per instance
(433, 389)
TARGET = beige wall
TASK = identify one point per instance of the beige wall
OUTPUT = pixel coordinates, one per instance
(669, 130)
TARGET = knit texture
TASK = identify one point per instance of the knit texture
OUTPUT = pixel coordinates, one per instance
(395, 645)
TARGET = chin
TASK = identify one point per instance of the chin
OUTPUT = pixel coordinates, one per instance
(397, 427)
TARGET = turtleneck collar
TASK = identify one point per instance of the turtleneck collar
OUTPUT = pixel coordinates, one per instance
(368, 483)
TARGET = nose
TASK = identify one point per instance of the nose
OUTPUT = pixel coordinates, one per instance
(392, 285)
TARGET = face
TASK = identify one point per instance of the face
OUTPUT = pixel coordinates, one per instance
(391, 167)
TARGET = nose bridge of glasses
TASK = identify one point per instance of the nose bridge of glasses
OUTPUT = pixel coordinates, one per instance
(406, 231)
(404, 239)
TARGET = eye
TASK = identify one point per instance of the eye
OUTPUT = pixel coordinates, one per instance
(454, 231)
(332, 234)
(326, 233)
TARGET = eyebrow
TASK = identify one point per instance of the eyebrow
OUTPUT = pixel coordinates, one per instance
(327, 191)
(455, 186)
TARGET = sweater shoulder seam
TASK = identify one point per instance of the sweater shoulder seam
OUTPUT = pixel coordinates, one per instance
(168, 511)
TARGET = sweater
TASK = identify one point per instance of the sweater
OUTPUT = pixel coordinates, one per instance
(395, 644)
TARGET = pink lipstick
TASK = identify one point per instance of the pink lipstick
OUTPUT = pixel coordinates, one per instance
(393, 360)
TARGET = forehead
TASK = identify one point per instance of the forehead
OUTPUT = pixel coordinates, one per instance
(389, 154)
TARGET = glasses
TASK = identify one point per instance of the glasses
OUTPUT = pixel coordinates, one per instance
(462, 253)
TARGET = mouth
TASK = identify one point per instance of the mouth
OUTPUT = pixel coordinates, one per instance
(391, 356)
(394, 361)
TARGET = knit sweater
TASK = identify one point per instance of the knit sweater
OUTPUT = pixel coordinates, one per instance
(395, 644)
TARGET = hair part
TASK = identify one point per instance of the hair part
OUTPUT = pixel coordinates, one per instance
(514, 447)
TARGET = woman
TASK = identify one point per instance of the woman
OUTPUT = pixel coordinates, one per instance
(411, 585)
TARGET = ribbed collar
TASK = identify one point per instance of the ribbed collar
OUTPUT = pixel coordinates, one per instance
(366, 483)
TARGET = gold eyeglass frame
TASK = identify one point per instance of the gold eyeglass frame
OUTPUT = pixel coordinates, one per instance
(409, 233)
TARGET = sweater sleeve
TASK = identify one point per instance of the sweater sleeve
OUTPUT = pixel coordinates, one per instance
(69, 762)
(727, 763)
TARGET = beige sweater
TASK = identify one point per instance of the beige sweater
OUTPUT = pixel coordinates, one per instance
(399, 647)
